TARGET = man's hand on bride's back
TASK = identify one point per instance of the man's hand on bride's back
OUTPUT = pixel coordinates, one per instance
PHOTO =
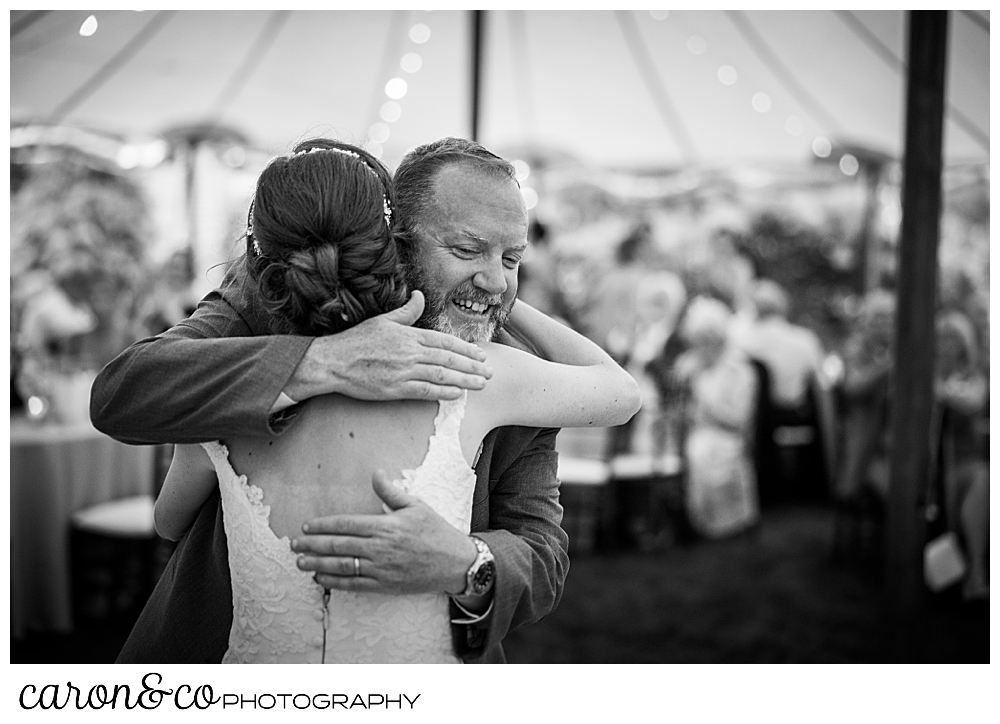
(411, 549)
(386, 358)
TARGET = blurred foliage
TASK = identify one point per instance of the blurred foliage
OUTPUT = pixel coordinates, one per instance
(805, 261)
(86, 229)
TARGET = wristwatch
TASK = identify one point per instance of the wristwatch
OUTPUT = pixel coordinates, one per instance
(481, 574)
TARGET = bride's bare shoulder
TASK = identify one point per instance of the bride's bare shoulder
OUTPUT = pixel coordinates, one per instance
(501, 351)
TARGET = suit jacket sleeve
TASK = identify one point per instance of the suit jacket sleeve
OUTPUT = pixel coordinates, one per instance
(188, 616)
(525, 537)
(214, 374)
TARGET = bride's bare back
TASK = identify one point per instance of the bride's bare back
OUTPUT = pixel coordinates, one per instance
(323, 464)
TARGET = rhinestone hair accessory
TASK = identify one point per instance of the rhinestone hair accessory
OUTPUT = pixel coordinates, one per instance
(386, 207)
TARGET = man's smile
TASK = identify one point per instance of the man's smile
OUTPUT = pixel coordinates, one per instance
(470, 306)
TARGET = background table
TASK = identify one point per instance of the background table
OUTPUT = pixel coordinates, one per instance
(56, 470)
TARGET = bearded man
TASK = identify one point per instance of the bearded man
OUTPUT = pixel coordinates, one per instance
(463, 230)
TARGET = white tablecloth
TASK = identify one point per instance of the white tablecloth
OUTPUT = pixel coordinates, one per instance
(56, 470)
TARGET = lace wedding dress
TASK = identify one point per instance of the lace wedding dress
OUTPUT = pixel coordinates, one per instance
(281, 615)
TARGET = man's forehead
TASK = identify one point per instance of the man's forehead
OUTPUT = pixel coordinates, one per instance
(463, 193)
(465, 178)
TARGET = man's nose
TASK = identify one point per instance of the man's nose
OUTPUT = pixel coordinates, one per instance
(491, 279)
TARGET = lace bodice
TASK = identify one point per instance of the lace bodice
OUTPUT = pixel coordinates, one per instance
(279, 613)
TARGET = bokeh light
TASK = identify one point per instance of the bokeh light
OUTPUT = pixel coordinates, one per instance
(849, 164)
(395, 88)
(821, 146)
(794, 125)
(375, 149)
(530, 197)
(727, 75)
(235, 156)
(521, 169)
(36, 406)
(420, 33)
(378, 132)
(659, 14)
(89, 26)
(761, 102)
(390, 111)
(697, 45)
(411, 62)
(128, 156)
(155, 153)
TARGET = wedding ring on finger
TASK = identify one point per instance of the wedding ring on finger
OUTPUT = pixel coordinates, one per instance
(357, 566)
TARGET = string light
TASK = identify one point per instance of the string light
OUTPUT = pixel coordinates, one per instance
(411, 62)
(727, 75)
(235, 156)
(761, 102)
(128, 157)
(395, 88)
(849, 164)
(89, 26)
(378, 132)
(37, 407)
(420, 33)
(822, 147)
(390, 111)
(697, 45)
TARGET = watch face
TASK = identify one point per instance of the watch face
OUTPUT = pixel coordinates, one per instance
(483, 578)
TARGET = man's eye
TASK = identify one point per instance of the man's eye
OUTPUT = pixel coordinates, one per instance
(464, 251)
(512, 261)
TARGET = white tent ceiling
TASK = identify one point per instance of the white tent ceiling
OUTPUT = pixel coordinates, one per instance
(621, 88)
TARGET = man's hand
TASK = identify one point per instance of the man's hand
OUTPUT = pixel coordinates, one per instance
(385, 358)
(411, 549)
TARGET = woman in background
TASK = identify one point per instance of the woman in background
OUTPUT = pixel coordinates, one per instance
(960, 391)
(721, 484)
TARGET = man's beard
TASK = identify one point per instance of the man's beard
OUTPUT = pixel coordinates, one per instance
(436, 303)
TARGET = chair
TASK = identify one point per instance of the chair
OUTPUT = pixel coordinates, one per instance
(787, 447)
(649, 493)
(583, 493)
(116, 556)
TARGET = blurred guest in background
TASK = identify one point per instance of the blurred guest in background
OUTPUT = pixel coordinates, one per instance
(538, 282)
(960, 391)
(721, 485)
(171, 297)
(660, 299)
(49, 337)
(865, 400)
(793, 354)
(612, 320)
(793, 357)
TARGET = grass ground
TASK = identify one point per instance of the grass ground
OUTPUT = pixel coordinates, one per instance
(773, 595)
(770, 596)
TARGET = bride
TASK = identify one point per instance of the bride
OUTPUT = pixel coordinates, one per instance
(321, 257)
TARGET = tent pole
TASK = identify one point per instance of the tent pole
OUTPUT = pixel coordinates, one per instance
(478, 24)
(191, 147)
(912, 398)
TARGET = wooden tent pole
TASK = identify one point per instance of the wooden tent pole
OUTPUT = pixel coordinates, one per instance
(478, 24)
(912, 398)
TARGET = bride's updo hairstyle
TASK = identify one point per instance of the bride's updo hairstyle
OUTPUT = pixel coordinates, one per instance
(320, 244)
